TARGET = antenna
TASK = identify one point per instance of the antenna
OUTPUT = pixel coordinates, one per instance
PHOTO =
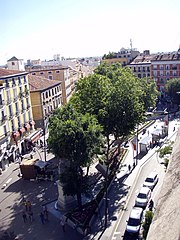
(131, 44)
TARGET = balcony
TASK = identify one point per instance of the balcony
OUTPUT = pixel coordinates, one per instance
(3, 120)
(9, 100)
(2, 103)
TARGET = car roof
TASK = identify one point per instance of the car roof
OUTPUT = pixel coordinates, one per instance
(144, 190)
(136, 212)
(152, 174)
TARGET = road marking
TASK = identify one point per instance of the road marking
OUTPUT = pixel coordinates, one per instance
(8, 181)
(117, 233)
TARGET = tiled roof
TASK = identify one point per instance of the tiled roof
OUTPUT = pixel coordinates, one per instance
(13, 59)
(45, 68)
(6, 72)
(40, 83)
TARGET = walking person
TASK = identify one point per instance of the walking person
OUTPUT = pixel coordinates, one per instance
(42, 217)
(62, 224)
(45, 211)
(151, 205)
(29, 206)
(129, 168)
(24, 217)
(30, 216)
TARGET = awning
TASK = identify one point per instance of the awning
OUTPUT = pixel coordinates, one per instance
(40, 164)
(157, 132)
(32, 123)
(27, 125)
(22, 130)
(34, 136)
(146, 140)
(16, 134)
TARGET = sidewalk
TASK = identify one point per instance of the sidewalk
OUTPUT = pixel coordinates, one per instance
(120, 189)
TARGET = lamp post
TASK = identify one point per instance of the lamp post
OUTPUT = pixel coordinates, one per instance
(44, 122)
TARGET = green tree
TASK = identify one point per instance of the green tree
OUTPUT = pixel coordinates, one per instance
(118, 100)
(148, 219)
(76, 138)
(173, 90)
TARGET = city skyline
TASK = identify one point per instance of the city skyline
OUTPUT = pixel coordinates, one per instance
(40, 29)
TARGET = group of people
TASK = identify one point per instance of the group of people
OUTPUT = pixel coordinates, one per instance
(28, 213)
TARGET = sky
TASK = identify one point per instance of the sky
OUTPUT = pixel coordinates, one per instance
(38, 29)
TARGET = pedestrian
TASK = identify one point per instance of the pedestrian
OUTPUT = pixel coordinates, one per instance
(151, 205)
(29, 206)
(24, 217)
(62, 224)
(148, 132)
(129, 168)
(45, 211)
(30, 216)
(42, 217)
(174, 129)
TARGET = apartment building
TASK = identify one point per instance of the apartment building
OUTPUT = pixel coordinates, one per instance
(46, 96)
(124, 56)
(16, 114)
(15, 64)
(141, 65)
(165, 66)
(66, 75)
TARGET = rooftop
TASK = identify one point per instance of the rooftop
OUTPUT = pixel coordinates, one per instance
(6, 72)
(37, 83)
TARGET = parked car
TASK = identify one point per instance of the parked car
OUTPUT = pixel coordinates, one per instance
(151, 180)
(143, 197)
(134, 222)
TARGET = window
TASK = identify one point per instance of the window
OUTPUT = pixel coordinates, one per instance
(19, 80)
(161, 73)
(50, 77)
(33, 73)
(25, 79)
(13, 63)
(167, 73)
(155, 67)
(50, 72)
(174, 73)
(57, 71)
(155, 73)
(41, 73)
(161, 67)
(167, 67)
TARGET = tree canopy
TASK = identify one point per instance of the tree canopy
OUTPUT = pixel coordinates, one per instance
(76, 138)
(116, 97)
(173, 90)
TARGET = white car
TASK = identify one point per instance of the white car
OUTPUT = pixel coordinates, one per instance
(134, 222)
(143, 197)
(151, 180)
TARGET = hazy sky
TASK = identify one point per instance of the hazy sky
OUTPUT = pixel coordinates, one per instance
(32, 29)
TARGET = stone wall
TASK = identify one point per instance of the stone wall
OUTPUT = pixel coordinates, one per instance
(166, 222)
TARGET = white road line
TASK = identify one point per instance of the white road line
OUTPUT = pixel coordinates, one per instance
(8, 181)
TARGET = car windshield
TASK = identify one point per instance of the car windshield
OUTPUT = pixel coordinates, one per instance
(133, 222)
(149, 180)
(141, 195)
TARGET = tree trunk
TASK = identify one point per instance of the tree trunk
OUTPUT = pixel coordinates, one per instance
(87, 172)
(79, 200)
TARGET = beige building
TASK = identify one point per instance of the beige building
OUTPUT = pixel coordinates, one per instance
(16, 115)
(46, 96)
(66, 75)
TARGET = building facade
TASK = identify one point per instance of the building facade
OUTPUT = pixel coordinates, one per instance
(165, 66)
(16, 114)
(46, 96)
(66, 75)
(15, 64)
